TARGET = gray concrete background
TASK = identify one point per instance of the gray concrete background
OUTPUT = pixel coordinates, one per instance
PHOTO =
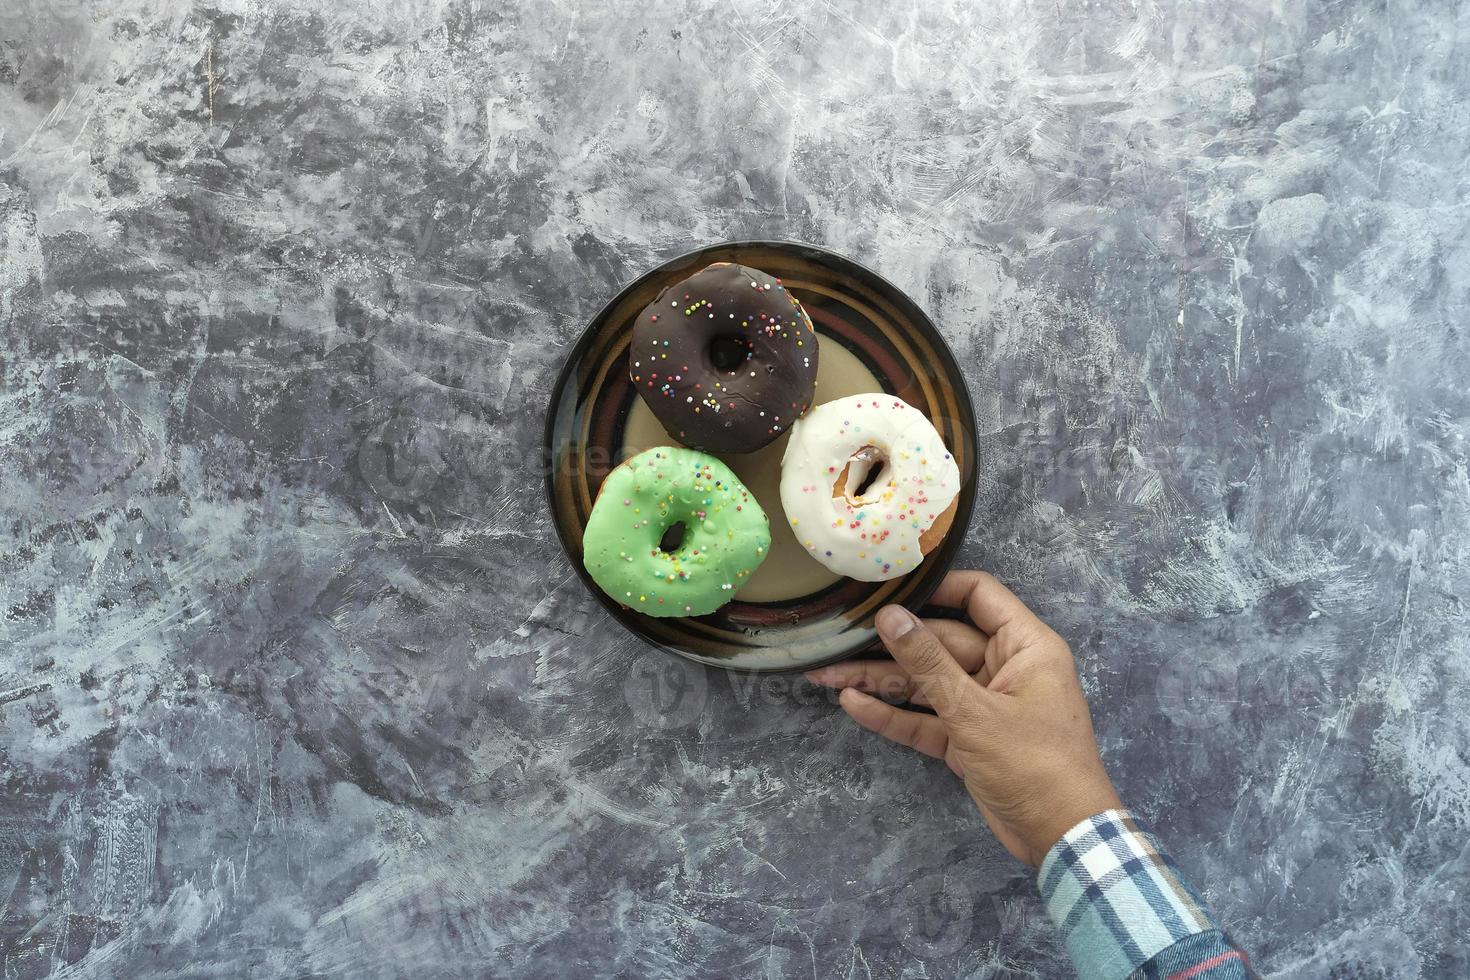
(297, 681)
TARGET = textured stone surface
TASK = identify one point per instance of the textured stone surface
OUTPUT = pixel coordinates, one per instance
(297, 681)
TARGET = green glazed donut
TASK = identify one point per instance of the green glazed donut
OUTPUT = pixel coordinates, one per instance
(632, 547)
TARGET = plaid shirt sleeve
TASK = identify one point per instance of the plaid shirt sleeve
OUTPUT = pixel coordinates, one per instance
(1124, 910)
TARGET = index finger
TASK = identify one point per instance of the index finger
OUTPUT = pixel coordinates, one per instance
(989, 604)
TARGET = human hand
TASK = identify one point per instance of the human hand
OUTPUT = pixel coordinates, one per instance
(1012, 720)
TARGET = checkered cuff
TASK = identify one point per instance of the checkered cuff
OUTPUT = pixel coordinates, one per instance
(1119, 901)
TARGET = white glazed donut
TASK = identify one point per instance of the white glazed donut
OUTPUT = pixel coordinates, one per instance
(874, 536)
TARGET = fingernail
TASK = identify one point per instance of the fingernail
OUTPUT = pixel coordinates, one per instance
(818, 676)
(894, 621)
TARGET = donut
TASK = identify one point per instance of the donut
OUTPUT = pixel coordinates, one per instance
(673, 532)
(726, 359)
(868, 486)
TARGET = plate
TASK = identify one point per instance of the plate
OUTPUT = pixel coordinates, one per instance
(792, 614)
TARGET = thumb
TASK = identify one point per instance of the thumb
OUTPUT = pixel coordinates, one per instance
(935, 672)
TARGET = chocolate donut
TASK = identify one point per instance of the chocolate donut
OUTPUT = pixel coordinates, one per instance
(727, 359)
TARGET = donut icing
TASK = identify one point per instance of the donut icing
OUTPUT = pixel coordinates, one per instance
(726, 359)
(874, 536)
(628, 550)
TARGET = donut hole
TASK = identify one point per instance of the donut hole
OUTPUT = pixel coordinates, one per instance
(863, 469)
(673, 538)
(729, 353)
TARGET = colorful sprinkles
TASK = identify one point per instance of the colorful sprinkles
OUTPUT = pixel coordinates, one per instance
(713, 404)
(725, 536)
(874, 535)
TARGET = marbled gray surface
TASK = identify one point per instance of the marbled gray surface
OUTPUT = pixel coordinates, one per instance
(298, 682)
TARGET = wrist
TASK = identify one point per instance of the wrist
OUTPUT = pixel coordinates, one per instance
(1062, 814)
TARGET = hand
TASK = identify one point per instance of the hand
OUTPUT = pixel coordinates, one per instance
(1012, 720)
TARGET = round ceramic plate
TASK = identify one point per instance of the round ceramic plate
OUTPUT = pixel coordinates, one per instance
(792, 614)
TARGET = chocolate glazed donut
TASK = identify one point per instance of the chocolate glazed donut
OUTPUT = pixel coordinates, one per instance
(727, 359)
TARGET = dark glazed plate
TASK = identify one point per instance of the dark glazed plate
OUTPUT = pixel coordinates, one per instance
(854, 309)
